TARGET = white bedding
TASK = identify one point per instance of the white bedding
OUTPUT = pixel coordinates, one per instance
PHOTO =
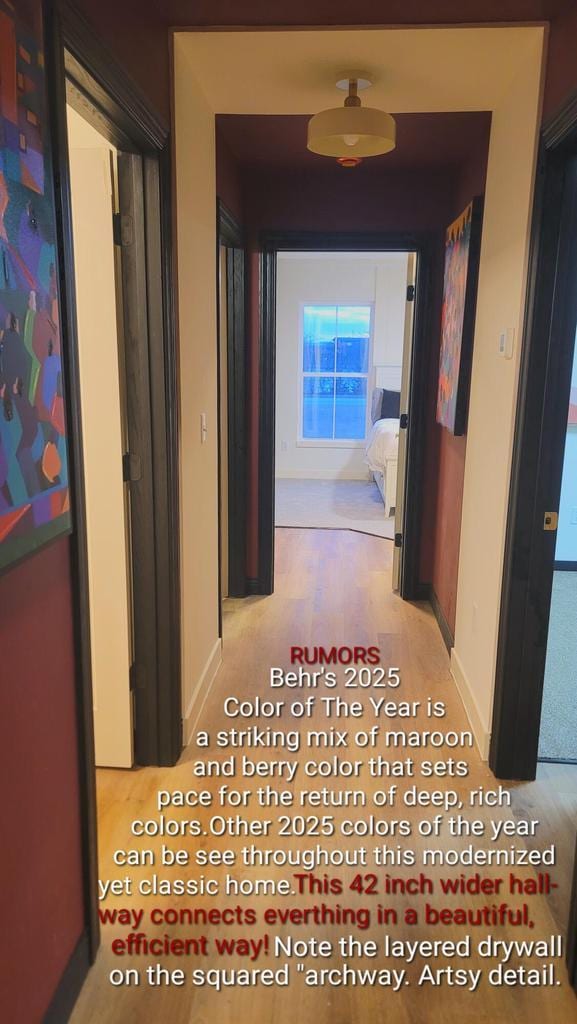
(383, 444)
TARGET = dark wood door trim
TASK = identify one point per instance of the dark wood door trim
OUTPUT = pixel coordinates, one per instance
(230, 232)
(55, 75)
(106, 84)
(164, 430)
(110, 101)
(542, 404)
(230, 235)
(140, 478)
(271, 243)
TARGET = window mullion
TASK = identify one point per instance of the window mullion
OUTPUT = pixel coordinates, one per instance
(335, 375)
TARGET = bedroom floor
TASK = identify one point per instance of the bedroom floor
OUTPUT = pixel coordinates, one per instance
(333, 505)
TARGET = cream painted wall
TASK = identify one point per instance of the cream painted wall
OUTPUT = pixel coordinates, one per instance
(196, 247)
(500, 304)
(414, 68)
(353, 279)
(102, 429)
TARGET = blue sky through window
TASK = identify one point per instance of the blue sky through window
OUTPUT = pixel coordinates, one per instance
(335, 369)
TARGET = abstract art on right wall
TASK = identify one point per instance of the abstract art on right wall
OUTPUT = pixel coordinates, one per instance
(462, 247)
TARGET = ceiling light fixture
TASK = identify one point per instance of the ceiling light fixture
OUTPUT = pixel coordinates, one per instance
(352, 132)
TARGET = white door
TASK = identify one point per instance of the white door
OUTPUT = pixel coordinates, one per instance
(405, 388)
(91, 170)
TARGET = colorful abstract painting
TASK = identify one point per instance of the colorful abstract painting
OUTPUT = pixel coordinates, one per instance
(458, 316)
(34, 497)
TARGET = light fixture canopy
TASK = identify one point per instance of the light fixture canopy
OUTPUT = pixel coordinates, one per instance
(351, 132)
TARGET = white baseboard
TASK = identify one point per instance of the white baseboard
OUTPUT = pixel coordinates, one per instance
(481, 734)
(201, 692)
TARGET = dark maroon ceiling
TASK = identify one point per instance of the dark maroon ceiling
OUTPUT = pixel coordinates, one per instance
(188, 13)
(423, 140)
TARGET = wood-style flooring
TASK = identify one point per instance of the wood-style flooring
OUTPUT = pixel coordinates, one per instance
(331, 588)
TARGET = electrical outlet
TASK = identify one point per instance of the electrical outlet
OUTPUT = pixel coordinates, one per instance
(284, 446)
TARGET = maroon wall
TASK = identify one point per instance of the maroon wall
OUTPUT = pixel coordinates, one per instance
(40, 857)
(446, 453)
(334, 199)
(42, 911)
(561, 72)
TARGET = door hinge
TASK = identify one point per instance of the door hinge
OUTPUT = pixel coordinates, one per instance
(410, 293)
(122, 229)
(550, 521)
(132, 676)
(398, 540)
(404, 420)
(131, 467)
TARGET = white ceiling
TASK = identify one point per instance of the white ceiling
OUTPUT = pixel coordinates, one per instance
(415, 70)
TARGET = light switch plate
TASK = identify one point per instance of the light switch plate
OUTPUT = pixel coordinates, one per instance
(507, 342)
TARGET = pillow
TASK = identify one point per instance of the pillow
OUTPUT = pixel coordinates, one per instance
(390, 405)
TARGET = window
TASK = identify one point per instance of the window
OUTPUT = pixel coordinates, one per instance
(335, 369)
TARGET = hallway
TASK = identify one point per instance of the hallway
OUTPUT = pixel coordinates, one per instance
(331, 588)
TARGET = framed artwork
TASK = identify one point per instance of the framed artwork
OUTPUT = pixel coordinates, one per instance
(462, 246)
(34, 496)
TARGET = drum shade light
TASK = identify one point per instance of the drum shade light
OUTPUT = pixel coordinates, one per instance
(351, 132)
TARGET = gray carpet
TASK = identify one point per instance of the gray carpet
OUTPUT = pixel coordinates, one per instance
(558, 737)
(333, 505)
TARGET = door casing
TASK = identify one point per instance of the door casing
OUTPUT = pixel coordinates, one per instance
(271, 243)
(230, 235)
(537, 467)
(541, 421)
(408, 338)
(113, 104)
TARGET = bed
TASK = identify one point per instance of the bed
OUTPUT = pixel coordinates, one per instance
(383, 443)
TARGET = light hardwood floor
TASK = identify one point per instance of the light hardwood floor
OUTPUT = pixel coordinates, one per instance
(331, 588)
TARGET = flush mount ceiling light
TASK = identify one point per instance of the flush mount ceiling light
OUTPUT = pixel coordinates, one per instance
(352, 132)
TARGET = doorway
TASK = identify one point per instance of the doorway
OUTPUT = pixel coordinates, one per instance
(145, 416)
(534, 673)
(340, 334)
(400, 381)
(542, 437)
(93, 162)
(558, 731)
(81, 74)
